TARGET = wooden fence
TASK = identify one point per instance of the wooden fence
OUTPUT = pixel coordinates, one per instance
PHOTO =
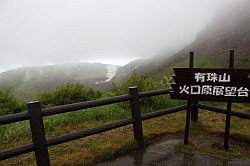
(40, 145)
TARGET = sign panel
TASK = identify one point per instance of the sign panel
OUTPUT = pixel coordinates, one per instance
(212, 84)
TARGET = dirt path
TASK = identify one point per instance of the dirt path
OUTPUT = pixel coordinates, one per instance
(164, 153)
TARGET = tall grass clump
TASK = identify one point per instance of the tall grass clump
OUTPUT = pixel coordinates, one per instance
(145, 83)
(97, 115)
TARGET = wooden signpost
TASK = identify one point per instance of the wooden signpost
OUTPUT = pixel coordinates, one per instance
(225, 85)
(211, 84)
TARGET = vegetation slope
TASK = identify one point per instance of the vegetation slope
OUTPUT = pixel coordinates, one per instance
(228, 29)
(211, 49)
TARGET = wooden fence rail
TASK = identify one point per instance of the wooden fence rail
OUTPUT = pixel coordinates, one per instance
(224, 111)
(40, 144)
(35, 115)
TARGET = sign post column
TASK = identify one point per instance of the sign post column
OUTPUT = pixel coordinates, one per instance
(211, 84)
(189, 103)
(194, 108)
(229, 107)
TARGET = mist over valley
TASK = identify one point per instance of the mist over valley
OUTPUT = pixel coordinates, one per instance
(92, 80)
(228, 27)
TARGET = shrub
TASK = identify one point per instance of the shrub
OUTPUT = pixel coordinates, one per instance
(9, 104)
(144, 83)
(67, 94)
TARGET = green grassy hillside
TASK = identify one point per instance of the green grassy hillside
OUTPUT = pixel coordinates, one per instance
(228, 29)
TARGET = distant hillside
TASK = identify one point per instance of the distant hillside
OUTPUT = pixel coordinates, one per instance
(150, 65)
(229, 29)
(26, 81)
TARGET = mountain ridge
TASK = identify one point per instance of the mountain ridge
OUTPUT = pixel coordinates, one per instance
(228, 29)
(26, 81)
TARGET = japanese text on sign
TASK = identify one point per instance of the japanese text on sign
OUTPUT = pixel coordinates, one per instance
(214, 90)
(207, 84)
(212, 77)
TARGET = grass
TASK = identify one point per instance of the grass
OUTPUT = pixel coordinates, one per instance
(207, 135)
(89, 150)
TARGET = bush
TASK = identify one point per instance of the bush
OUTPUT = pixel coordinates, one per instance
(9, 104)
(144, 83)
(67, 94)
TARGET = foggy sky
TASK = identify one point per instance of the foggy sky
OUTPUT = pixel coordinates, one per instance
(42, 32)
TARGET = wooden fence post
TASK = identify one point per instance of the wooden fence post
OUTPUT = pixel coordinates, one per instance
(194, 108)
(136, 114)
(229, 106)
(38, 134)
